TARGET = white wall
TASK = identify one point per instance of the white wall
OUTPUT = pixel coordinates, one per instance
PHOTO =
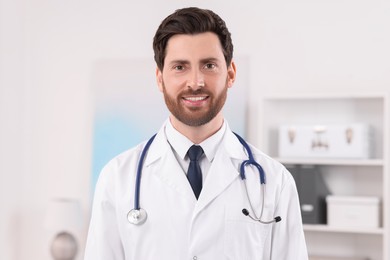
(47, 48)
(12, 123)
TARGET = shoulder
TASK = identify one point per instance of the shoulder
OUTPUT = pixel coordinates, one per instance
(132, 155)
(126, 160)
(234, 146)
(274, 170)
(126, 163)
(267, 160)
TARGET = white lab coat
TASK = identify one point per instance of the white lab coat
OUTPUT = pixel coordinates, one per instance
(180, 227)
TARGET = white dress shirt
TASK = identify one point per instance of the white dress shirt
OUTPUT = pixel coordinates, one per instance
(180, 145)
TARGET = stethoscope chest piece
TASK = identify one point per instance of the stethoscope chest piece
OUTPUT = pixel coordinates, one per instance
(137, 216)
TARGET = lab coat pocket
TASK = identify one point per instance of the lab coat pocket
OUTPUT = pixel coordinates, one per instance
(244, 240)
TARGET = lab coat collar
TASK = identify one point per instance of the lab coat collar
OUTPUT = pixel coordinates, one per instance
(158, 148)
(181, 144)
(233, 147)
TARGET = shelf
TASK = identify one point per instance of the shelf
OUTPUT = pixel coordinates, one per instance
(326, 228)
(322, 96)
(339, 162)
(343, 176)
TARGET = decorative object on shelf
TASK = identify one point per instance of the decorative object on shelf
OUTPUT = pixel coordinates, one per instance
(353, 211)
(326, 141)
(312, 191)
(64, 216)
(349, 135)
(319, 142)
(292, 132)
(64, 246)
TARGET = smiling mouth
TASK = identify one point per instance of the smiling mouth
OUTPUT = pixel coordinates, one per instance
(195, 99)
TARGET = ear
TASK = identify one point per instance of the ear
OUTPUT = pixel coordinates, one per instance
(231, 72)
(159, 79)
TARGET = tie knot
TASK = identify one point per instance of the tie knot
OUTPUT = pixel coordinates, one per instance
(195, 152)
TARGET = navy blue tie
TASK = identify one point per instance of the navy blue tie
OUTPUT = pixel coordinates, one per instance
(194, 174)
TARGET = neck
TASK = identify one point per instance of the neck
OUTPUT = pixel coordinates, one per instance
(198, 134)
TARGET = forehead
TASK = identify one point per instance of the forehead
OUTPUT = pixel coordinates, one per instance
(190, 46)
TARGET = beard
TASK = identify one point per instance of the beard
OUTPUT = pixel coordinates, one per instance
(195, 116)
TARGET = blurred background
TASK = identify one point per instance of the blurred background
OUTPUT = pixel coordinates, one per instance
(55, 54)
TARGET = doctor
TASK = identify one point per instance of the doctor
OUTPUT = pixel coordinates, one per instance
(193, 207)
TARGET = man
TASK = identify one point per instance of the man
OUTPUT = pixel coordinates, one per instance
(193, 206)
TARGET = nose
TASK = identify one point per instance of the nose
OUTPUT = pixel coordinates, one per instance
(196, 80)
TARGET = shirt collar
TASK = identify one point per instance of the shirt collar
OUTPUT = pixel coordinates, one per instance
(181, 144)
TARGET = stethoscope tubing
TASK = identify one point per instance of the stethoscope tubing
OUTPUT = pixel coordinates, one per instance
(138, 216)
(250, 161)
(139, 173)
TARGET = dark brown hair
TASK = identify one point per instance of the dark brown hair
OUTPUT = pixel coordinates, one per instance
(191, 20)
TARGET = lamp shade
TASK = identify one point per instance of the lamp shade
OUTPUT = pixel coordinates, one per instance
(63, 214)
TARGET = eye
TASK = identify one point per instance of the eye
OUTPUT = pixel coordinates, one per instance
(178, 67)
(210, 66)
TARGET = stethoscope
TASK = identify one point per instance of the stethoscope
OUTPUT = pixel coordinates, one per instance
(138, 216)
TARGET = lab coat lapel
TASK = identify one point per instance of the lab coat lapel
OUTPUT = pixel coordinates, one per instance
(222, 171)
(161, 162)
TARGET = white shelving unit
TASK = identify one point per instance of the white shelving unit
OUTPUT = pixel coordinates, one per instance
(368, 177)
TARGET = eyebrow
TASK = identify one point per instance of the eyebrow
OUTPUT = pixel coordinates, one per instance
(203, 61)
(179, 62)
(211, 59)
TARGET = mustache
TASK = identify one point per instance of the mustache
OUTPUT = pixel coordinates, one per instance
(191, 92)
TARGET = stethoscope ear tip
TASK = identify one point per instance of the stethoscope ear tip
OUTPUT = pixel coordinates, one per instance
(275, 220)
(245, 212)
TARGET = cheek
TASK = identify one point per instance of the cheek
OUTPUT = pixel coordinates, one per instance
(219, 83)
(174, 84)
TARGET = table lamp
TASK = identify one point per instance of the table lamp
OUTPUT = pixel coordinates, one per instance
(64, 217)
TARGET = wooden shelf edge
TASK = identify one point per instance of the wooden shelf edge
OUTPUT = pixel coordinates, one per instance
(341, 162)
(324, 96)
(328, 229)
